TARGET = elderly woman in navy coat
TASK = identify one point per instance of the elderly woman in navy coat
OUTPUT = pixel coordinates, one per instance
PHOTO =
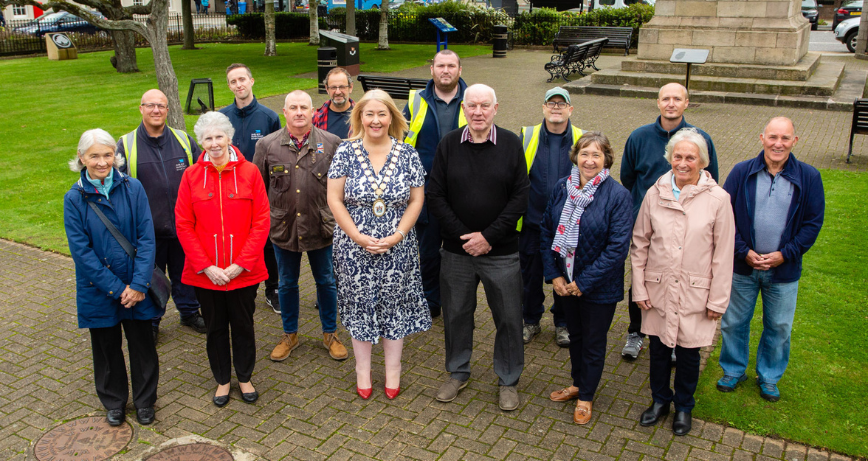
(585, 238)
(111, 288)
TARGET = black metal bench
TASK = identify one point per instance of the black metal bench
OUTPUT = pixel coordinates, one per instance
(575, 59)
(619, 37)
(397, 87)
(860, 122)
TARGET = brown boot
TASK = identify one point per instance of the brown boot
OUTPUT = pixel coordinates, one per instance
(582, 414)
(287, 344)
(336, 350)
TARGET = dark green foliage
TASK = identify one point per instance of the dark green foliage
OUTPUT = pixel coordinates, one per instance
(286, 25)
(540, 26)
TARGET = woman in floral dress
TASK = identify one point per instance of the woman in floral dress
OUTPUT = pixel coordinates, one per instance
(375, 191)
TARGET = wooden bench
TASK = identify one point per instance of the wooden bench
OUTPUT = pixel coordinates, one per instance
(575, 35)
(575, 59)
(397, 87)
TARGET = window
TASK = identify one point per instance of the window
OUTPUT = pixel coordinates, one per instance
(137, 2)
(19, 11)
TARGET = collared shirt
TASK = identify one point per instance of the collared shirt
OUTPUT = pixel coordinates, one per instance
(446, 112)
(675, 190)
(298, 144)
(773, 197)
(467, 137)
(103, 186)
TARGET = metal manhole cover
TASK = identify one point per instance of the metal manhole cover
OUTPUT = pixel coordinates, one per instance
(85, 439)
(193, 452)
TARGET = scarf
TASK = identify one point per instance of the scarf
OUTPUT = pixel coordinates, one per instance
(578, 198)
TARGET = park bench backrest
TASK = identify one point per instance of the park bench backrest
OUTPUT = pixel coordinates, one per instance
(618, 36)
(398, 88)
(860, 122)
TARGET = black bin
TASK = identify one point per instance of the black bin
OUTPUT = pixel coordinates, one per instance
(326, 60)
(347, 47)
(500, 34)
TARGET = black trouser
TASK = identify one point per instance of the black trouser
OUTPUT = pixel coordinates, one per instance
(224, 311)
(686, 374)
(588, 324)
(110, 370)
(533, 279)
(271, 284)
(635, 314)
(170, 255)
(430, 242)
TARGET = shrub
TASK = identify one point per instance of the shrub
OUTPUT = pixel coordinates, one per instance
(286, 25)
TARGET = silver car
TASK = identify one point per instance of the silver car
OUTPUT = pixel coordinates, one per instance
(847, 31)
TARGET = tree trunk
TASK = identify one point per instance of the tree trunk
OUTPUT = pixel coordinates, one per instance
(350, 19)
(383, 43)
(270, 41)
(158, 25)
(314, 23)
(862, 38)
(124, 42)
(189, 33)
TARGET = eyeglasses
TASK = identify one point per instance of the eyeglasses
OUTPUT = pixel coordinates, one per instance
(151, 106)
(341, 87)
(558, 104)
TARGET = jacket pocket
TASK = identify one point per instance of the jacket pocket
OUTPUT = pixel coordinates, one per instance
(327, 222)
(320, 172)
(696, 298)
(279, 228)
(656, 291)
(279, 180)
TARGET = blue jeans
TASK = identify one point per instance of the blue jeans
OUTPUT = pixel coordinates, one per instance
(289, 267)
(779, 308)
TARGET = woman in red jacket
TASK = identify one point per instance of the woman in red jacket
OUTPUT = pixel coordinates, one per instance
(223, 220)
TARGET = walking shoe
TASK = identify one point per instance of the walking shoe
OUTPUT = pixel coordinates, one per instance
(145, 416)
(582, 413)
(336, 350)
(682, 423)
(508, 398)
(562, 336)
(729, 383)
(565, 394)
(284, 347)
(529, 331)
(272, 300)
(115, 417)
(633, 346)
(196, 322)
(449, 390)
(769, 391)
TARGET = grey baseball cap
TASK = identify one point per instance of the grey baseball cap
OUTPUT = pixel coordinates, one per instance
(558, 91)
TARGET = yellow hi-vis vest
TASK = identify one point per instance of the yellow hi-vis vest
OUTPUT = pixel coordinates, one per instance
(418, 110)
(530, 143)
(131, 150)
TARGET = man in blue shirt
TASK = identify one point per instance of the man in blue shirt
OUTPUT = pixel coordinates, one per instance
(252, 121)
(334, 115)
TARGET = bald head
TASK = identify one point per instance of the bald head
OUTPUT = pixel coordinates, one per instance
(670, 87)
(481, 91)
(298, 110)
(672, 101)
(154, 109)
(781, 123)
(154, 94)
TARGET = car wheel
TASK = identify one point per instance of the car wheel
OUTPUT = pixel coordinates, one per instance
(850, 40)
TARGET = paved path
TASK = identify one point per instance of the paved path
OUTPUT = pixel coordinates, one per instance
(308, 408)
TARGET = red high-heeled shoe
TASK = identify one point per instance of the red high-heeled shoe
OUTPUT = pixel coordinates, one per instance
(392, 393)
(365, 393)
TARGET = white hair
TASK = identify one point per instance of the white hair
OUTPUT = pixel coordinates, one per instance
(90, 138)
(690, 135)
(210, 121)
(480, 88)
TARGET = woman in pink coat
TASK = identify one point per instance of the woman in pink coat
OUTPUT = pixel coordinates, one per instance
(683, 243)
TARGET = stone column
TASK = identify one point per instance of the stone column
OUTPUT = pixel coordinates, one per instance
(767, 32)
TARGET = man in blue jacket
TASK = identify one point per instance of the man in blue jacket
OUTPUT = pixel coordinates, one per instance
(778, 203)
(252, 121)
(157, 156)
(431, 113)
(642, 164)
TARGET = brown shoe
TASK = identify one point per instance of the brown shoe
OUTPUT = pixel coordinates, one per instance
(284, 347)
(336, 350)
(565, 394)
(582, 414)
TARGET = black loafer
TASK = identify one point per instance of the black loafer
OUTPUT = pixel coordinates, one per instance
(221, 400)
(654, 413)
(249, 397)
(115, 417)
(682, 423)
(145, 416)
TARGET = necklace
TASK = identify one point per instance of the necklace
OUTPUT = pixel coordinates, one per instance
(377, 183)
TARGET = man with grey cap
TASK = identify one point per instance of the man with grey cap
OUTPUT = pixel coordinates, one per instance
(547, 153)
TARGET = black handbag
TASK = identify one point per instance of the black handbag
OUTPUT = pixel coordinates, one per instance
(160, 288)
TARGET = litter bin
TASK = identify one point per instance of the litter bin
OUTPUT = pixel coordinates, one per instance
(242, 7)
(347, 48)
(500, 34)
(327, 59)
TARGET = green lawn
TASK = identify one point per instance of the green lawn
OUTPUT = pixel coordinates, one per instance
(823, 393)
(53, 102)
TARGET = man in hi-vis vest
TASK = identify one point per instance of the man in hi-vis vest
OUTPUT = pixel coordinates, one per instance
(431, 113)
(547, 153)
(157, 155)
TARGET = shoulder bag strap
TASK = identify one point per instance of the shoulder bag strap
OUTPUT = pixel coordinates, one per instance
(128, 247)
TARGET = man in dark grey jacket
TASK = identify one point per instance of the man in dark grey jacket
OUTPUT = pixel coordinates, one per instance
(157, 155)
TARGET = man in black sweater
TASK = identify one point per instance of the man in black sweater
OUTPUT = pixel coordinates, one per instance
(478, 190)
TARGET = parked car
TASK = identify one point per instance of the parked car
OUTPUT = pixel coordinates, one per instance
(847, 31)
(847, 10)
(57, 22)
(811, 12)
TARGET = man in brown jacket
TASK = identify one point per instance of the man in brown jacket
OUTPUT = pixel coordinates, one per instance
(294, 163)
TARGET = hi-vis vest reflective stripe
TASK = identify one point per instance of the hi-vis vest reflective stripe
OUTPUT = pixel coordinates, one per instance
(418, 111)
(131, 150)
(531, 143)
